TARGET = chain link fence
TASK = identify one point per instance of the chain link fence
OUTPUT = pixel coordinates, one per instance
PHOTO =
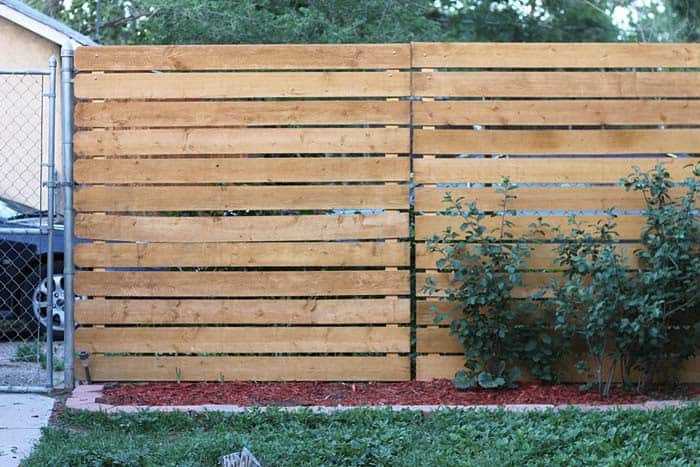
(30, 295)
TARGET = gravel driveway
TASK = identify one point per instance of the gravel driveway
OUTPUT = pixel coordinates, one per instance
(25, 373)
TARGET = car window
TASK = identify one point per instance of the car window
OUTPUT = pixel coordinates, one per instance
(10, 209)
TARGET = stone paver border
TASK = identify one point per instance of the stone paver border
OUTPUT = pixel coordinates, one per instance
(85, 397)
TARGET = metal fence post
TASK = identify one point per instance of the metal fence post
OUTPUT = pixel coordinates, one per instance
(51, 185)
(68, 269)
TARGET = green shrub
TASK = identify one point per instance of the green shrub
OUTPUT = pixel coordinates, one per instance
(594, 297)
(668, 280)
(501, 336)
(646, 321)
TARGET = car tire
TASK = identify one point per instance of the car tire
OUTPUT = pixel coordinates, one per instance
(39, 300)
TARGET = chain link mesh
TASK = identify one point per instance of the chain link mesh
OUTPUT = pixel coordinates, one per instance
(23, 233)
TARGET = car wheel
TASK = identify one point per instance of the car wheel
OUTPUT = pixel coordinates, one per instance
(40, 302)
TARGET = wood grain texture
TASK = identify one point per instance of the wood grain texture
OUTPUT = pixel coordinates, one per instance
(534, 282)
(424, 310)
(343, 339)
(557, 112)
(444, 366)
(239, 198)
(554, 55)
(241, 141)
(556, 84)
(541, 257)
(244, 311)
(241, 85)
(241, 228)
(628, 227)
(565, 142)
(272, 254)
(437, 340)
(242, 57)
(425, 315)
(242, 170)
(241, 284)
(430, 199)
(543, 170)
(379, 368)
(134, 114)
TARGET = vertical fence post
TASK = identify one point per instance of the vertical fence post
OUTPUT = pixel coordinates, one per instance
(68, 269)
(51, 185)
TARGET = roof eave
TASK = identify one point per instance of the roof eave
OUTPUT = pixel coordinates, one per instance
(41, 29)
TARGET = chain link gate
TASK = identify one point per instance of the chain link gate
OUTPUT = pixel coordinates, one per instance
(31, 295)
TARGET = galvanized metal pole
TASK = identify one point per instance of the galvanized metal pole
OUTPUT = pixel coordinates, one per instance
(51, 185)
(68, 219)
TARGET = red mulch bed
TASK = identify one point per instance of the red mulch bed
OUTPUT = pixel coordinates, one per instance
(347, 394)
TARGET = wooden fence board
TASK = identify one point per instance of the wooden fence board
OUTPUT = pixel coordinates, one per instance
(241, 85)
(424, 310)
(242, 57)
(425, 315)
(241, 141)
(237, 198)
(343, 339)
(437, 340)
(241, 284)
(241, 228)
(244, 311)
(628, 227)
(273, 254)
(536, 198)
(213, 368)
(556, 84)
(543, 170)
(534, 282)
(541, 257)
(554, 55)
(557, 112)
(133, 114)
(444, 366)
(544, 142)
(242, 170)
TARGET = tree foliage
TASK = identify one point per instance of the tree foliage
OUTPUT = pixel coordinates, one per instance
(335, 21)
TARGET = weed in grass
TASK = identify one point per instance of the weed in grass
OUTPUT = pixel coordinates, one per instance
(33, 352)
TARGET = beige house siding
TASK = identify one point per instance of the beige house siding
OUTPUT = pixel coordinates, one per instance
(21, 148)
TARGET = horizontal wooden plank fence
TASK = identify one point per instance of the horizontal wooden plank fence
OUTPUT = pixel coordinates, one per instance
(251, 209)
(565, 122)
(249, 206)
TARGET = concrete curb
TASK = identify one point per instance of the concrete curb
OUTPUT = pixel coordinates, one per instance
(85, 398)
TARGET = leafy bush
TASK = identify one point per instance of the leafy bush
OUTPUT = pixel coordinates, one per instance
(501, 336)
(594, 297)
(645, 321)
(642, 322)
(668, 280)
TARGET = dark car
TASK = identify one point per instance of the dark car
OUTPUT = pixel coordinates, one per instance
(23, 257)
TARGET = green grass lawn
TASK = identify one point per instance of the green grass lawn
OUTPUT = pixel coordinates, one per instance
(369, 437)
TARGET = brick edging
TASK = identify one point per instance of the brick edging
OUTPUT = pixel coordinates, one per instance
(85, 397)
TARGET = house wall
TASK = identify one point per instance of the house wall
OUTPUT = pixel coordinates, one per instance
(24, 146)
